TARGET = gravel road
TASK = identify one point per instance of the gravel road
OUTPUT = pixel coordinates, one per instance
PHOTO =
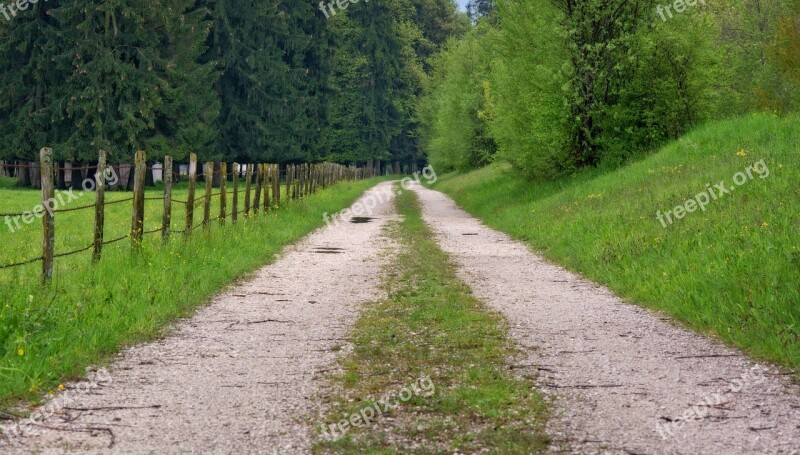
(241, 375)
(625, 379)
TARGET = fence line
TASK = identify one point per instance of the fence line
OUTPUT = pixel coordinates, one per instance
(263, 185)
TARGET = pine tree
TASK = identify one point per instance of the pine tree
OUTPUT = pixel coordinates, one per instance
(114, 85)
(186, 119)
(31, 82)
(271, 74)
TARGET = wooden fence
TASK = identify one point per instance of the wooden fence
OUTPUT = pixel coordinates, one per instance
(261, 183)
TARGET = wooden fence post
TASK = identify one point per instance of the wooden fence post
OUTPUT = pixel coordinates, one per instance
(223, 192)
(308, 179)
(289, 176)
(257, 197)
(208, 173)
(137, 221)
(276, 185)
(236, 169)
(190, 201)
(266, 187)
(167, 174)
(99, 206)
(248, 178)
(48, 217)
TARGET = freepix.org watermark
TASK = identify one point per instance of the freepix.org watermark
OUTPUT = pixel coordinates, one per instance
(376, 197)
(60, 200)
(10, 10)
(64, 399)
(753, 377)
(328, 9)
(423, 387)
(680, 6)
(718, 191)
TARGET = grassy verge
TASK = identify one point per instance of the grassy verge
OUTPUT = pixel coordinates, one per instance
(431, 328)
(732, 270)
(89, 312)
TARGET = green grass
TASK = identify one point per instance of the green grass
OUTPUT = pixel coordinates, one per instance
(50, 335)
(430, 326)
(75, 229)
(732, 271)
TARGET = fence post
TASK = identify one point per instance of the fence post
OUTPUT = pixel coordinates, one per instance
(257, 197)
(167, 174)
(236, 169)
(248, 178)
(48, 217)
(190, 201)
(99, 206)
(223, 191)
(300, 180)
(137, 221)
(208, 173)
(308, 180)
(276, 185)
(288, 181)
(266, 187)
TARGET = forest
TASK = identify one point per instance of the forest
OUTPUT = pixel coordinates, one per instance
(228, 80)
(547, 85)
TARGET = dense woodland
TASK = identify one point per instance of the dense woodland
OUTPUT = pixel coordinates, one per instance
(266, 80)
(548, 85)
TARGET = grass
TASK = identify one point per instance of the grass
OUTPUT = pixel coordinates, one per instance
(732, 271)
(75, 229)
(49, 335)
(430, 326)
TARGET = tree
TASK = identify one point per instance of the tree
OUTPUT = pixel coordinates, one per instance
(32, 82)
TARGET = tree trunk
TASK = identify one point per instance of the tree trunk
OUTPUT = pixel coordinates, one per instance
(131, 176)
(23, 175)
(60, 176)
(215, 182)
(76, 176)
(149, 178)
(36, 175)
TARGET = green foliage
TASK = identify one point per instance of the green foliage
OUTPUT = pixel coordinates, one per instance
(381, 65)
(732, 270)
(456, 111)
(573, 83)
(530, 119)
(754, 39)
(270, 80)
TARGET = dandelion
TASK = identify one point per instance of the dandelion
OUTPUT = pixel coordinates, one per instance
(741, 153)
(20, 352)
(61, 387)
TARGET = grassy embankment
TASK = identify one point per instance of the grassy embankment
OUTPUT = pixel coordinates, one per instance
(732, 270)
(50, 335)
(431, 327)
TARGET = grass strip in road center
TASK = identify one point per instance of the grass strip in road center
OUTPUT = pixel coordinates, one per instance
(434, 358)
